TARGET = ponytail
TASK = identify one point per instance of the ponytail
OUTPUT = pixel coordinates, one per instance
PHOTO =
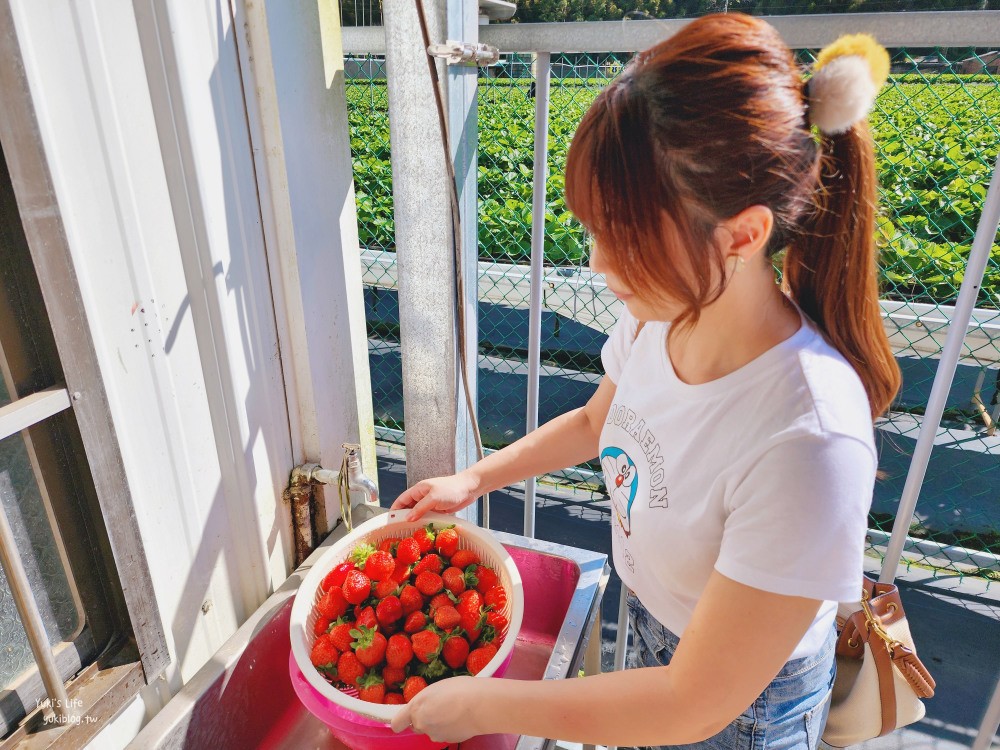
(831, 269)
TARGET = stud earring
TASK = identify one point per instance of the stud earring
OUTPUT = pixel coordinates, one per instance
(740, 262)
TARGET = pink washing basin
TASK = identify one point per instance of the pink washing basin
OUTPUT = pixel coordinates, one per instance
(244, 698)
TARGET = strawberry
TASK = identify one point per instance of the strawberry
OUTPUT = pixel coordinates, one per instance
(428, 583)
(470, 607)
(428, 562)
(479, 658)
(454, 580)
(386, 588)
(496, 598)
(425, 538)
(487, 579)
(489, 635)
(446, 541)
(463, 558)
(349, 668)
(336, 576)
(357, 586)
(394, 699)
(332, 604)
(437, 601)
(471, 601)
(401, 573)
(474, 631)
(388, 545)
(447, 618)
(322, 625)
(389, 610)
(415, 621)
(324, 654)
(426, 645)
(341, 636)
(393, 676)
(408, 551)
(366, 616)
(455, 651)
(379, 565)
(412, 686)
(371, 688)
(360, 554)
(411, 599)
(399, 652)
(497, 621)
(369, 645)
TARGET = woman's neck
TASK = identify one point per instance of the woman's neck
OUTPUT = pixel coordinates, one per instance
(751, 316)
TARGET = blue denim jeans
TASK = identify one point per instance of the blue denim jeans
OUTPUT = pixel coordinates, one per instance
(790, 713)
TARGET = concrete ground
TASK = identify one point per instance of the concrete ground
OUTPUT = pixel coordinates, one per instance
(955, 621)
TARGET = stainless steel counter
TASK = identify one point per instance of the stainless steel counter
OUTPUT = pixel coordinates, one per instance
(243, 698)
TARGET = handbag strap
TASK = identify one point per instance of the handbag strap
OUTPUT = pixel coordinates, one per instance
(883, 668)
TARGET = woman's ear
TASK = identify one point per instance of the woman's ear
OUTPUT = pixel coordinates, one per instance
(747, 233)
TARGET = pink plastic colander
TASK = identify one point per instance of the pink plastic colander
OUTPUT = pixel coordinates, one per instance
(356, 723)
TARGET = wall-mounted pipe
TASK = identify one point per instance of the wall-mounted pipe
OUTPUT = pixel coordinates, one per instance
(300, 495)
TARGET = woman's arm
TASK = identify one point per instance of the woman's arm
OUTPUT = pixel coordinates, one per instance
(567, 440)
(738, 639)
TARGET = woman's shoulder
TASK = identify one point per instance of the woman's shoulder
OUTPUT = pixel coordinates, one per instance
(832, 389)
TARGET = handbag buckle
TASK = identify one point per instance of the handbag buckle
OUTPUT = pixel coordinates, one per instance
(874, 624)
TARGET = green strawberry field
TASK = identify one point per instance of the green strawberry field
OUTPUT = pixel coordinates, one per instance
(937, 141)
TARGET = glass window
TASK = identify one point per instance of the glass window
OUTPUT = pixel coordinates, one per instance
(47, 495)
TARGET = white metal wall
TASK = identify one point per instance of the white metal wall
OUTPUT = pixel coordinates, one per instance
(179, 225)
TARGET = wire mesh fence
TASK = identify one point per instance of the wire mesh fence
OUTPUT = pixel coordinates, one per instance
(936, 131)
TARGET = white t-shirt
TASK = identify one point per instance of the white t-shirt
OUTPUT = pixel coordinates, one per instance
(765, 474)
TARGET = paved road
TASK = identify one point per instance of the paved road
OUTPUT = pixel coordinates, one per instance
(955, 622)
(958, 495)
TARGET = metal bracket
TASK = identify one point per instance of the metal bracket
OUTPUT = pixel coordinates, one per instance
(456, 53)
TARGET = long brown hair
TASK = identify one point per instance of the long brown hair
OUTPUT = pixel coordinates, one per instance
(698, 128)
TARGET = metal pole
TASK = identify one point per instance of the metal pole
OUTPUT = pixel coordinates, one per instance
(991, 722)
(621, 642)
(542, 65)
(978, 257)
(463, 80)
(31, 618)
(425, 260)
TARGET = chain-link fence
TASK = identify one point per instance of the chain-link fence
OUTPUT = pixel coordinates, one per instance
(936, 129)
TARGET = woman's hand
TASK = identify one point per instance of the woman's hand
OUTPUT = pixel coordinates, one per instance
(442, 494)
(445, 711)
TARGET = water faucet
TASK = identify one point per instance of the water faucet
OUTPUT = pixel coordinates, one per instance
(300, 496)
(356, 479)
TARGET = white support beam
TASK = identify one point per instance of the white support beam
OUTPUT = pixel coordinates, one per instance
(463, 118)
(293, 61)
(25, 412)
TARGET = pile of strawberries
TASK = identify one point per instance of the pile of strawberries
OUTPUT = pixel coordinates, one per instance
(415, 610)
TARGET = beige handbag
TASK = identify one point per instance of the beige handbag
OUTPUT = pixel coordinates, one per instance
(880, 680)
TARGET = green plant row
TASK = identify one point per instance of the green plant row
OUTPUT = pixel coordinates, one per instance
(935, 77)
(502, 78)
(936, 147)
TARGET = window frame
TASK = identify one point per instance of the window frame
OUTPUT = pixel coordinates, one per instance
(140, 656)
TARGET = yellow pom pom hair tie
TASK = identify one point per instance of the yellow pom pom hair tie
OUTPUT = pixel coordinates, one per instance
(847, 76)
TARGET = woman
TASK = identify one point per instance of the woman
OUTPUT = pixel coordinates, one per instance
(735, 419)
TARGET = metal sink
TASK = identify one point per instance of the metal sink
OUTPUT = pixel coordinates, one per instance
(243, 696)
